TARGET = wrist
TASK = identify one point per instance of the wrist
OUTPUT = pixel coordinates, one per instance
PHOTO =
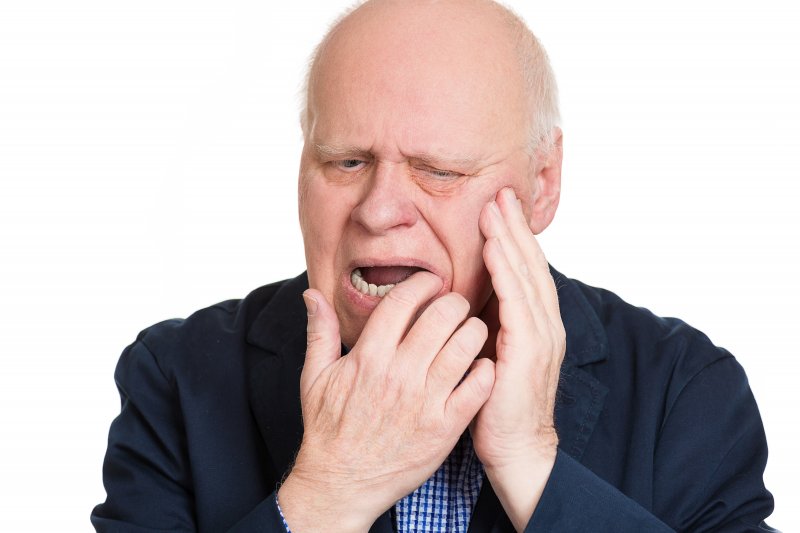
(314, 505)
(519, 484)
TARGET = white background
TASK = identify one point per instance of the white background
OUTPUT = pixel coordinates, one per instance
(148, 158)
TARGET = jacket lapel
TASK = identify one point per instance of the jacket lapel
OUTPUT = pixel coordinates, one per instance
(274, 380)
(580, 397)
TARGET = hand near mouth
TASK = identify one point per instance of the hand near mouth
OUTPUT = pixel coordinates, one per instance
(514, 433)
(380, 421)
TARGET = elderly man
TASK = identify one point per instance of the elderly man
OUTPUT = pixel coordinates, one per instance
(480, 390)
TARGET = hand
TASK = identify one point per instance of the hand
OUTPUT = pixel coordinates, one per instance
(514, 433)
(381, 420)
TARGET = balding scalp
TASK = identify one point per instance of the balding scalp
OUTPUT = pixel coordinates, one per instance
(540, 86)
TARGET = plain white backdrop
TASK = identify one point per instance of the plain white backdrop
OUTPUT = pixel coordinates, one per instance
(148, 160)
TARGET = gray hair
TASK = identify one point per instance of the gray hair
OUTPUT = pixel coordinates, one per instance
(537, 75)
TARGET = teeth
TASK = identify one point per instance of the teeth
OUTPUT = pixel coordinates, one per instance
(369, 289)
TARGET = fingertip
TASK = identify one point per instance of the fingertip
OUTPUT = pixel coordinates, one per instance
(312, 304)
(484, 219)
(470, 395)
(506, 195)
(482, 364)
(461, 302)
(432, 282)
(482, 330)
(482, 371)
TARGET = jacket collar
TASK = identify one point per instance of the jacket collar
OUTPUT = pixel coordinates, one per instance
(586, 338)
(274, 371)
(279, 329)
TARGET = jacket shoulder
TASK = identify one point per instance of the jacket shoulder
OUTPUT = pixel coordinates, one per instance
(637, 330)
(215, 334)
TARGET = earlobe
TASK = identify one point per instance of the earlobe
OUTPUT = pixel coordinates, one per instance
(547, 185)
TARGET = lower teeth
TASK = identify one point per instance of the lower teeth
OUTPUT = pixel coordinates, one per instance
(369, 289)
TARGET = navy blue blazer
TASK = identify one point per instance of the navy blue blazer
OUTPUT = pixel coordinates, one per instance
(658, 428)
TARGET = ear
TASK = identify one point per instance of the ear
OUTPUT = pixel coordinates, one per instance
(546, 184)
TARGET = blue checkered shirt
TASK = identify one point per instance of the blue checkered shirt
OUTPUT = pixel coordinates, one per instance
(444, 503)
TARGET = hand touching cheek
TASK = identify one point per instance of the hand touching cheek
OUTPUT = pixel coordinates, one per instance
(514, 433)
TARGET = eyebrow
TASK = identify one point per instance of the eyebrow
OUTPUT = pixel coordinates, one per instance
(344, 152)
(326, 150)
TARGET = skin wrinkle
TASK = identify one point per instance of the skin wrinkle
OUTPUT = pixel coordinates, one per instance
(402, 99)
(531, 60)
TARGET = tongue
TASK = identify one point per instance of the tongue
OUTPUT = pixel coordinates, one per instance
(386, 275)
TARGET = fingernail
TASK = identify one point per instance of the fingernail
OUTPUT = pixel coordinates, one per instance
(509, 194)
(311, 304)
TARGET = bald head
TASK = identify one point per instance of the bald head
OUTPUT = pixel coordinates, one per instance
(435, 45)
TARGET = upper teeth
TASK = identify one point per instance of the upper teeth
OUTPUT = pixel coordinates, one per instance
(369, 289)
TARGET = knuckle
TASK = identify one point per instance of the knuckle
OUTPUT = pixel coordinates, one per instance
(479, 387)
(469, 339)
(313, 337)
(464, 345)
(392, 386)
(449, 309)
(525, 272)
(514, 297)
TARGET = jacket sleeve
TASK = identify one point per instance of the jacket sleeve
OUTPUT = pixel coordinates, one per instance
(576, 500)
(708, 468)
(146, 471)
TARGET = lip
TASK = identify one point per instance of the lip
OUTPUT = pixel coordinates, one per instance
(367, 302)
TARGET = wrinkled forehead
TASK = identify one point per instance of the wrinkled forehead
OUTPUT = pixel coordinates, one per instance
(429, 60)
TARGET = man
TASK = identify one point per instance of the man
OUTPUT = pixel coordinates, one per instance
(480, 389)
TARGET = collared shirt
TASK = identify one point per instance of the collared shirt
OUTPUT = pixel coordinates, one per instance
(445, 501)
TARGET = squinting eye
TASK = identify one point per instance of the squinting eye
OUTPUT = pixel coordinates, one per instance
(442, 174)
(349, 164)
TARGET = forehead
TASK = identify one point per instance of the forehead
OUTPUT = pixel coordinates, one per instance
(417, 73)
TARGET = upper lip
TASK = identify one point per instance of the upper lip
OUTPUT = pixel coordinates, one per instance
(392, 261)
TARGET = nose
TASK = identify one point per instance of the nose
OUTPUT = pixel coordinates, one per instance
(386, 204)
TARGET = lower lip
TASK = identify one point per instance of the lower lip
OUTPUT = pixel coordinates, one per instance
(367, 303)
(356, 297)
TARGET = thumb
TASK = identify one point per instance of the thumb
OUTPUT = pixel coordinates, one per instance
(323, 344)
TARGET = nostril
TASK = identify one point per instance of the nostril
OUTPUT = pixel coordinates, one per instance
(385, 205)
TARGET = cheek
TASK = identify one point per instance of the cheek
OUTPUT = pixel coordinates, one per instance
(322, 223)
(457, 228)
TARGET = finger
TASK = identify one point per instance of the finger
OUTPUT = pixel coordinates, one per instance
(394, 313)
(494, 225)
(433, 328)
(515, 313)
(534, 257)
(467, 399)
(323, 343)
(450, 364)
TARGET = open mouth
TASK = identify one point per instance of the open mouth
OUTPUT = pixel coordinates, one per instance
(379, 280)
